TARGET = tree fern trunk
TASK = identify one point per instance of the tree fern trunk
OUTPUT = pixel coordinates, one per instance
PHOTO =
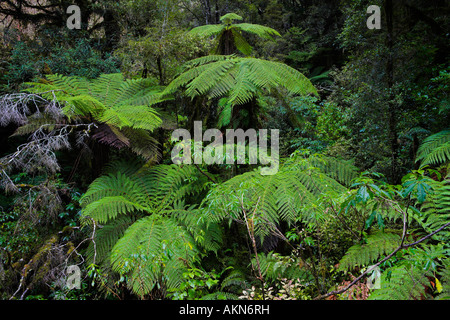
(100, 157)
(226, 45)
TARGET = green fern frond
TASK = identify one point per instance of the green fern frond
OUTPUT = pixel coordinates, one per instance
(108, 208)
(377, 245)
(239, 79)
(207, 235)
(137, 117)
(107, 91)
(445, 281)
(167, 237)
(147, 189)
(275, 267)
(44, 121)
(289, 195)
(439, 155)
(243, 90)
(403, 283)
(122, 105)
(154, 248)
(261, 31)
(81, 106)
(340, 170)
(435, 149)
(241, 43)
(207, 79)
(225, 110)
(235, 280)
(435, 212)
(105, 239)
(191, 64)
(229, 29)
(113, 185)
(229, 17)
(192, 70)
(207, 30)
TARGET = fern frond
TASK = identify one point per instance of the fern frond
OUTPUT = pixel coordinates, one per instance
(108, 208)
(340, 170)
(235, 280)
(440, 154)
(142, 143)
(261, 31)
(106, 237)
(403, 283)
(210, 77)
(243, 90)
(110, 185)
(435, 212)
(445, 281)
(34, 123)
(207, 30)
(83, 97)
(239, 79)
(205, 60)
(82, 106)
(230, 17)
(160, 246)
(154, 248)
(241, 43)
(207, 235)
(378, 244)
(275, 267)
(289, 195)
(236, 30)
(112, 195)
(435, 149)
(137, 117)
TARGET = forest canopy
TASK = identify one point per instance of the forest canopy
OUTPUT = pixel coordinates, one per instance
(136, 146)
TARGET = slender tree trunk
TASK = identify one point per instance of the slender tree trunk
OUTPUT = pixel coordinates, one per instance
(391, 106)
(207, 7)
(217, 13)
(111, 31)
(160, 71)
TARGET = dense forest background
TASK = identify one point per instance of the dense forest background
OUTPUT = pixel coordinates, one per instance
(360, 205)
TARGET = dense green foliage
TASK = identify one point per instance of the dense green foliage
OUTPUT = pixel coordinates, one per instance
(361, 194)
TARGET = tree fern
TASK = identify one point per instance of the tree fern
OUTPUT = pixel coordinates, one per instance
(122, 106)
(229, 35)
(289, 195)
(237, 80)
(147, 232)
